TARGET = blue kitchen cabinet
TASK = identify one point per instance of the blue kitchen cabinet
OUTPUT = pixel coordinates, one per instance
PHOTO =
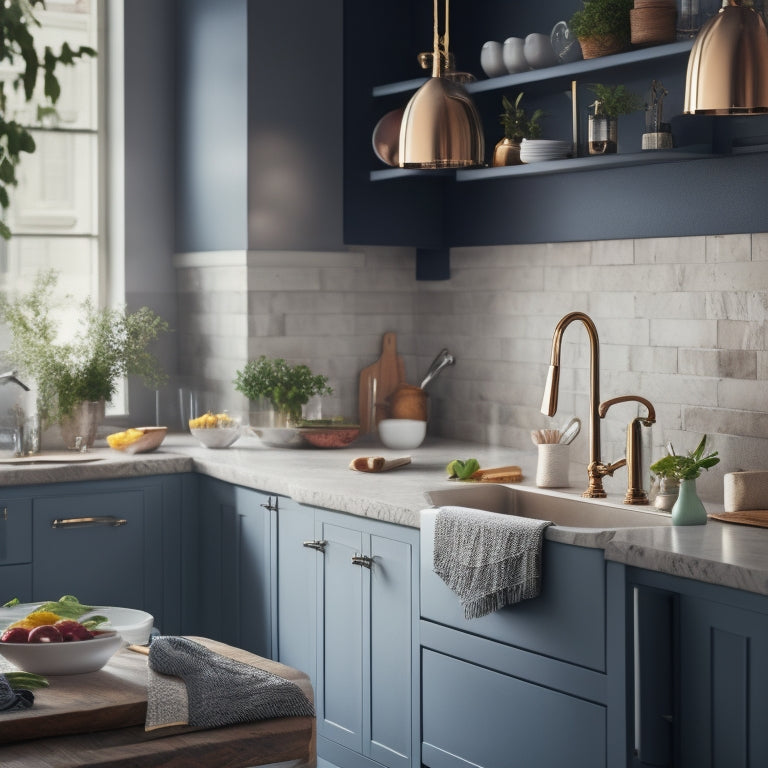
(702, 666)
(234, 566)
(110, 542)
(357, 579)
(15, 549)
(539, 683)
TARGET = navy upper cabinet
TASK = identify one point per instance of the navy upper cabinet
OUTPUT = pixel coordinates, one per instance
(684, 191)
(259, 125)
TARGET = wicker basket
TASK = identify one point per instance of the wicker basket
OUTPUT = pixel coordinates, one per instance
(594, 47)
(652, 25)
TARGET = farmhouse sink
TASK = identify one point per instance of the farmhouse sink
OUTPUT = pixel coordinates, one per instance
(561, 509)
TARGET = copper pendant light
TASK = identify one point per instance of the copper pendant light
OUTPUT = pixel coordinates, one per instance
(440, 126)
(728, 65)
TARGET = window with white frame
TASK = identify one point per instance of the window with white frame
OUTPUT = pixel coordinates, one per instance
(56, 213)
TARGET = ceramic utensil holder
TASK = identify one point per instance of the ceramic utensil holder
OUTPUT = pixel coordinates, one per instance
(552, 466)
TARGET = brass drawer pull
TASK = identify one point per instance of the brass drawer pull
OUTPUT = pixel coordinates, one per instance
(362, 560)
(79, 522)
(318, 545)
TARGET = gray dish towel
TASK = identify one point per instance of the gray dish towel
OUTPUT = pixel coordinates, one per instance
(221, 691)
(489, 560)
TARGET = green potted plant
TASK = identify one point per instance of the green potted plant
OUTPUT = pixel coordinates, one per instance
(610, 102)
(517, 126)
(20, 56)
(684, 470)
(75, 379)
(287, 387)
(602, 27)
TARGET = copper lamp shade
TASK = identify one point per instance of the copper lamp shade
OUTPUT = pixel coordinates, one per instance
(440, 126)
(728, 65)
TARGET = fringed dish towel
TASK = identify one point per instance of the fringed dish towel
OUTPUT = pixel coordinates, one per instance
(191, 685)
(489, 560)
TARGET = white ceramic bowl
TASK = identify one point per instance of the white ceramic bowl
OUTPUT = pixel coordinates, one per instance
(217, 437)
(74, 658)
(402, 434)
(132, 625)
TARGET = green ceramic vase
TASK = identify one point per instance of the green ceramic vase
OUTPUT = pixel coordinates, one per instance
(688, 509)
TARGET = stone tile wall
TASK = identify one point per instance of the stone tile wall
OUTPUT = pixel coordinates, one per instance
(682, 322)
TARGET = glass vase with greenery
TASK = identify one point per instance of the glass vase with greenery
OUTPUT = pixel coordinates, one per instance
(287, 387)
(108, 345)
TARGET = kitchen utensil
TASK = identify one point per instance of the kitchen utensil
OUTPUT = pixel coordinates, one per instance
(492, 59)
(552, 466)
(408, 402)
(757, 518)
(149, 441)
(217, 437)
(509, 474)
(514, 56)
(402, 434)
(377, 463)
(444, 357)
(386, 137)
(538, 51)
(279, 437)
(378, 381)
(569, 431)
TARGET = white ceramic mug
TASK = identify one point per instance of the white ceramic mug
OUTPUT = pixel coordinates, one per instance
(552, 467)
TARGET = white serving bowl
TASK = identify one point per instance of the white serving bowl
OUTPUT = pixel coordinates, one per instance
(217, 437)
(402, 434)
(73, 658)
(132, 625)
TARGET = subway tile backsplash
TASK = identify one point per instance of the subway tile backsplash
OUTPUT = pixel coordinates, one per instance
(682, 322)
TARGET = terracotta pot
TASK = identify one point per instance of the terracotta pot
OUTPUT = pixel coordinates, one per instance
(408, 402)
(506, 152)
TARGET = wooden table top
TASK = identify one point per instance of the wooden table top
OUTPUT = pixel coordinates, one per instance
(97, 719)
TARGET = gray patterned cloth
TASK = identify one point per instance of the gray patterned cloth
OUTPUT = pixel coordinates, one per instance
(221, 691)
(11, 700)
(488, 559)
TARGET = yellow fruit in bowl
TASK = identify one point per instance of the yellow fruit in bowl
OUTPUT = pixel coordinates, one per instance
(212, 421)
(36, 619)
(121, 439)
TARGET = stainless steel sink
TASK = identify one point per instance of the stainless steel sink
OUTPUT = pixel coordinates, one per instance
(571, 511)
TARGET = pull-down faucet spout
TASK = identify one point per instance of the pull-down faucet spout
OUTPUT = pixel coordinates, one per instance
(596, 469)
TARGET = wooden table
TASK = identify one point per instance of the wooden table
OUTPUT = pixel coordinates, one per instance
(97, 719)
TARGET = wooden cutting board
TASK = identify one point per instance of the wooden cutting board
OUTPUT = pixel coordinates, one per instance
(378, 381)
(115, 697)
(378, 463)
(755, 517)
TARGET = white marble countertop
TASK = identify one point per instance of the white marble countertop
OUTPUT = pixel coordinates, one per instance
(719, 553)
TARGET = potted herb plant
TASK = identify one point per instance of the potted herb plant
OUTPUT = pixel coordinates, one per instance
(602, 27)
(688, 509)
(73, 380)
(287, 387)
(610, 102)
(517, 126)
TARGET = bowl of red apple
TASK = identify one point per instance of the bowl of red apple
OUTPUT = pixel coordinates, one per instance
(65, 647)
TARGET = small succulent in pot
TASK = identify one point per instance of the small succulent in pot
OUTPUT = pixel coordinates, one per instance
(287, 387)
(517, 125)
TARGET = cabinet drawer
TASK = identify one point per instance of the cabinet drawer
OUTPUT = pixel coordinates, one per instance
(15, 531)
(566, 621)
(473, 716)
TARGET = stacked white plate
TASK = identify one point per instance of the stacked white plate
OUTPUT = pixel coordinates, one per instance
(538, 150)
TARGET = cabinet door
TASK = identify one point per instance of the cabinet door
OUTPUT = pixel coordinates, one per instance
(389, 652)
(235, 577)
(15, 531)
(101, 542)
(723, 661)
(297, 564)
(367, 649)
(340, 635)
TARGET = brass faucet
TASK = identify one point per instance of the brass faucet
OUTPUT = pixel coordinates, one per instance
(596, 470)
(633, 459)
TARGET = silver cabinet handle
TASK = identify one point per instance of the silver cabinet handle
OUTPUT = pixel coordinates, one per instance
(362, 560)
(319, 545)
(79, 522)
